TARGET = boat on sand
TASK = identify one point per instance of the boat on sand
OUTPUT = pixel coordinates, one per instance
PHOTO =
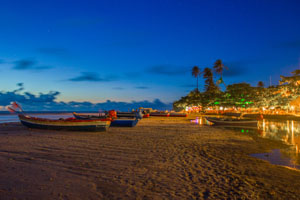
(70, 124)
(232, 121)
(121, 122)
(159, 114)
(177, 114)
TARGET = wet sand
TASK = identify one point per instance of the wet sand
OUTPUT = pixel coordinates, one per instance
(161, 158)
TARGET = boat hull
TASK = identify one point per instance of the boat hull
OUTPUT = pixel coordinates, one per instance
(178, 115)
(68, 125)
(217, 121)
(124, 123)
(146, 115)
(129, 122)
(159, 114)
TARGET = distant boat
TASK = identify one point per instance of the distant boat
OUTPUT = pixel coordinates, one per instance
(70, 124)
(231, 121)
(175, 114)
(146, 115)
(122, 122)
(159, 114)
(129, 114)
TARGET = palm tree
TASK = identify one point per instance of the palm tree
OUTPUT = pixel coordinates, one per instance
(219, 68)
(208, 75)
(196, 72)
(260, 84)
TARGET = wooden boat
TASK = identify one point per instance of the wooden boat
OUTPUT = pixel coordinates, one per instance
(71, 124)
(232, 122)
(122, 122)
(81, 116)
(174, 114)
(159, 114)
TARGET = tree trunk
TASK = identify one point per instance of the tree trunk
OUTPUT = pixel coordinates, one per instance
(197, 84)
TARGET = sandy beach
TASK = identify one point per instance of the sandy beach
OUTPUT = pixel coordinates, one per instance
(160, 158)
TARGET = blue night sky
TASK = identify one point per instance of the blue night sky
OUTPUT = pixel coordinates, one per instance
(142, 50)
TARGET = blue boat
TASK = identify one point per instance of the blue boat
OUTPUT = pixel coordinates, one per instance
(122, 122)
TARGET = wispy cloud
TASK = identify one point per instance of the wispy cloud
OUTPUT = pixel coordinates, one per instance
(168, 70)
(29, 64)
(236, 68)
(52, 51)
(288, 44)
(118, 88)
(80, 22)
(24, 64)
(91, 77)
(142, 87)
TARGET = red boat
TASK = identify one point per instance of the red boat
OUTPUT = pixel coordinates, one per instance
(146, 115)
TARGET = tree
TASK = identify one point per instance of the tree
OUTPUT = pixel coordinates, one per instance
(196, 72)
(209, 82)
(260, 84)
(219, 68)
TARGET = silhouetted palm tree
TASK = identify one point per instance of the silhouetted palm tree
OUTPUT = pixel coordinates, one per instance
(196, 72)
(219, 68)
(208, 76)
(260, 84)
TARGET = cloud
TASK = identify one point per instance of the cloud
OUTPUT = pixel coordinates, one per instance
(53, 51)
(80, 22)
(235, 68)
(91, 77)
(29, 64)
(168, 70)
(118, 88)
(288, 44)
(142, 87)
(24, 64)
(48, 102)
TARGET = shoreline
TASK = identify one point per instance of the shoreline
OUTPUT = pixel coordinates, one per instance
(159, 158)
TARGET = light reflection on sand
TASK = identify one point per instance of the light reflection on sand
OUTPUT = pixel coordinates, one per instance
(286, 131)
(276, 157)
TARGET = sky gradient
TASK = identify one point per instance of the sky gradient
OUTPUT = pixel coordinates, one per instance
(143, 50)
